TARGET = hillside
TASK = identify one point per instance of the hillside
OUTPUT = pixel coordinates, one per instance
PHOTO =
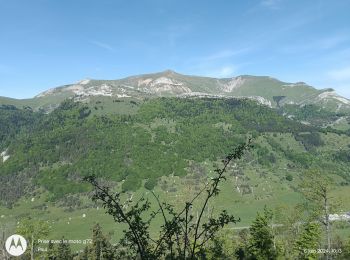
(165, 144)
(266, 90)
(165, 132)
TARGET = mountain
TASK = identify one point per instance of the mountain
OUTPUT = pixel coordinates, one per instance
(134, 143)
(266, 90)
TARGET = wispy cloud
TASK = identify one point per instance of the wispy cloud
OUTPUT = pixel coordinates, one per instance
(223, 54)
(320, 44)
(272, 4)
(342, 74)
(220, 64)
(339, 79)
(103, 45)
(333, 41)
(226, 71)
(220, 71)
(344, 90)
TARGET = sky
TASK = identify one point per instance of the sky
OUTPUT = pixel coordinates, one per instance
(48, 43)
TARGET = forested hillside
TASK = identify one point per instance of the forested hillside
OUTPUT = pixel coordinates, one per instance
(167, 145)
(54, 151)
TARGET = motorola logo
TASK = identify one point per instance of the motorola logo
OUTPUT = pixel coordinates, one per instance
(16, 245)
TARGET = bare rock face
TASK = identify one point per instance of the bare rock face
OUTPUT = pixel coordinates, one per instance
(163, 85)
(234, 83)
(332, 95)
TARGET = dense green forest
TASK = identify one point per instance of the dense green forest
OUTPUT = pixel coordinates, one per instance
(165, 140)
(54, 151)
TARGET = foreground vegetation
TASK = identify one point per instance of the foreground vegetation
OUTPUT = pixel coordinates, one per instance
(297, 234)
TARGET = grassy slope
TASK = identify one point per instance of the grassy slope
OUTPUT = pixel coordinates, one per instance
(268, 87)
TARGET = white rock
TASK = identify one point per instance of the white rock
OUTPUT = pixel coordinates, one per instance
(144, 82)
(163, 84)
(165, 80)
(333, 95)
(261, 100)
(84, 82)
(232, 84)
(122, 95)
(46, 93)
(5, 156)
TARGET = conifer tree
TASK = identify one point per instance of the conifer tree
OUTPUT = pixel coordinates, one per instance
(308, 242)
(84, 255)
(64, 251)
(51, 251)
(100, 249)
(316, 186)
(345, 251)
(97, 242)
(261, 242)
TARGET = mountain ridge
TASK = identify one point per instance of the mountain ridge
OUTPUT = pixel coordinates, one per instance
(169, 83)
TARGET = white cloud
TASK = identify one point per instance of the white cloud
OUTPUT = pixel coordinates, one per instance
(226, 71)
(220, 72)
(103, 45)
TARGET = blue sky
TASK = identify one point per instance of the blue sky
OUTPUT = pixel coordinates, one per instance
(47, 43)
